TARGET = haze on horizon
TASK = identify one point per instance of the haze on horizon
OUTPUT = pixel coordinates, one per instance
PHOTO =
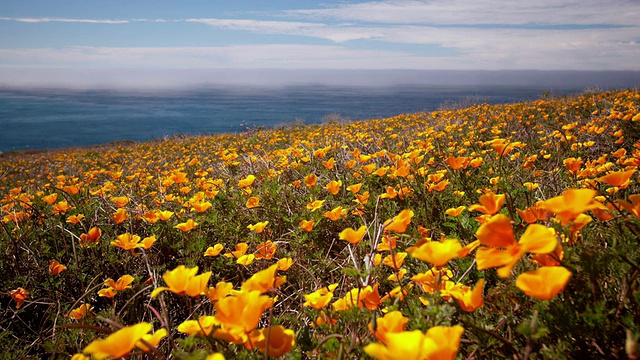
(168, 44)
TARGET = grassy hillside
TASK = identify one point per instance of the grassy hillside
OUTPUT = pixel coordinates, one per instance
(494, 231)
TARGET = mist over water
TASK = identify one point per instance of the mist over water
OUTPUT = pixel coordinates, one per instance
(79, 112)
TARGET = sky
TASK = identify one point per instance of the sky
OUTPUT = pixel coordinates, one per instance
(587, 35)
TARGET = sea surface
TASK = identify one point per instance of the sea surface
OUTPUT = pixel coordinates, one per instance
(57, 118)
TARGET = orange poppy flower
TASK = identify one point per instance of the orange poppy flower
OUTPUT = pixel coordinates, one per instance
(355, 188)
(273, 341)
(74, 219)
(336, 213)
(252, 202)
(248, 181)
(501, 249)
(61, 208)
(619, 179)
(391, 322)
(214, 250)
(119, 343)
(353, 236)
(120, 201)
(329, 164)
(120, 215)
(334, 187)
(544, 283)
(307, 225)
(55, 267)
(490, 203)
(183, 280)
(19, 295)
(315, 205)
(80, 312)
(187, 226)
(572, 203)
(258, 227)
(284, 264)
(50, 199)
(239, 314)
(201, 206)
(266, 250)
(468, 299)
(457, 163)
(455, 212)
(310, 180)
(436, 252)
(320, 298)
(221, 290)
(400, 222)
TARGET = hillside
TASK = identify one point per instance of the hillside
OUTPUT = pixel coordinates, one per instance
(493, 231)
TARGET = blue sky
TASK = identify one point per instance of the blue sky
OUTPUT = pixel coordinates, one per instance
(295, 34)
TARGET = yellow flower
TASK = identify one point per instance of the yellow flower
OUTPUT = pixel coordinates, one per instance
(186, 226)
(264, 280)
(120, 215)
(246, 181)
(214, 250)
(455, 212)
(490, 203)
(320, 298)
(239, 314)
(400, 222)
(183, 280)
(336, 214)
(151, 339)
(334, 187)
(440, 342)
(80, 312)
(436, 252)
(273, 341)
(284, 264)
(127, 241)
(221, 290)
(258, 227)
(468, 299)
(120, 285)
(392, 322)
(307, 225)
(502, 250)
(266, 250)
(315, 205)
(119, 343)
(544, 283)
(203, 326)
(572, 203)
(353, 236)
(252, 202)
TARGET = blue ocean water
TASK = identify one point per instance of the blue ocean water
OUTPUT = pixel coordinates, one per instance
(55, 118)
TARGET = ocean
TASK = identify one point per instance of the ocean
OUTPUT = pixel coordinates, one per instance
(59, 118)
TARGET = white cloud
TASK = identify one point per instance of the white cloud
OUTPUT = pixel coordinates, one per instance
(548, 12)
(238, 56)
(65, 20)
(489, 55)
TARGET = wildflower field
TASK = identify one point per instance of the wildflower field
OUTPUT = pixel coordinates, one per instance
(494, 231)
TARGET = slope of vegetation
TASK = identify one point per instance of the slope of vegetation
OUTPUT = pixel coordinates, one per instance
(494, 231)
